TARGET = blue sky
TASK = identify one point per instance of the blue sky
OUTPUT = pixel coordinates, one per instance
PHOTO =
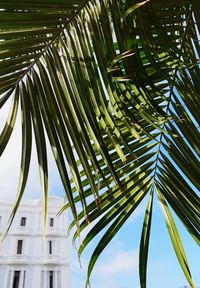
(119, 262)
(118, 265)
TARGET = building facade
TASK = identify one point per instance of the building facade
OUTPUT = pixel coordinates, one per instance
(27, 259)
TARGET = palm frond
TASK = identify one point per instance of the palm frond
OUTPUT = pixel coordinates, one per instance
(116, 89)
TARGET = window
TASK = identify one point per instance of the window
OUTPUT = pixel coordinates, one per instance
(50, 279)
(16, 279)
(50, 247)
(19, 246)
(23, 221)
(24, 278)
(51, 222)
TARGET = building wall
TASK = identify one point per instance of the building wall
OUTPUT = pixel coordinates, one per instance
(37, 258)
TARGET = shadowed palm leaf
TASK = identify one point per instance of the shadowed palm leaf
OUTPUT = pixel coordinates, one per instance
(115, 87)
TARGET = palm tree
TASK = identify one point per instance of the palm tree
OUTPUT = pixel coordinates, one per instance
(114, 86)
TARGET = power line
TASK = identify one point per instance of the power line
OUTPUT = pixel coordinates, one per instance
(96, 282)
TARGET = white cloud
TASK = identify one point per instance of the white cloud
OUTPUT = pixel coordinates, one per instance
(124, 262)
(116, 267)
(10, 163)
(10, 167)
(139, 212)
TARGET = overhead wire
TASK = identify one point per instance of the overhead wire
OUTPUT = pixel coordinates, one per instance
(96, 282)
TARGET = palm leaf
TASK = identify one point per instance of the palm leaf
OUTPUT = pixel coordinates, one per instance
(144, 242)
(115, 87)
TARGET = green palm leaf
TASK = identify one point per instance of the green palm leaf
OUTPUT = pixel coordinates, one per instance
(115, 87)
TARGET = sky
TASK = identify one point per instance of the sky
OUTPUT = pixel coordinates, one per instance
(118, 265)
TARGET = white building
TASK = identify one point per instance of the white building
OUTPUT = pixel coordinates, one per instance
(26, 259)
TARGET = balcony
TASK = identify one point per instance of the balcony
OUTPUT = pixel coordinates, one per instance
(14, 259)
